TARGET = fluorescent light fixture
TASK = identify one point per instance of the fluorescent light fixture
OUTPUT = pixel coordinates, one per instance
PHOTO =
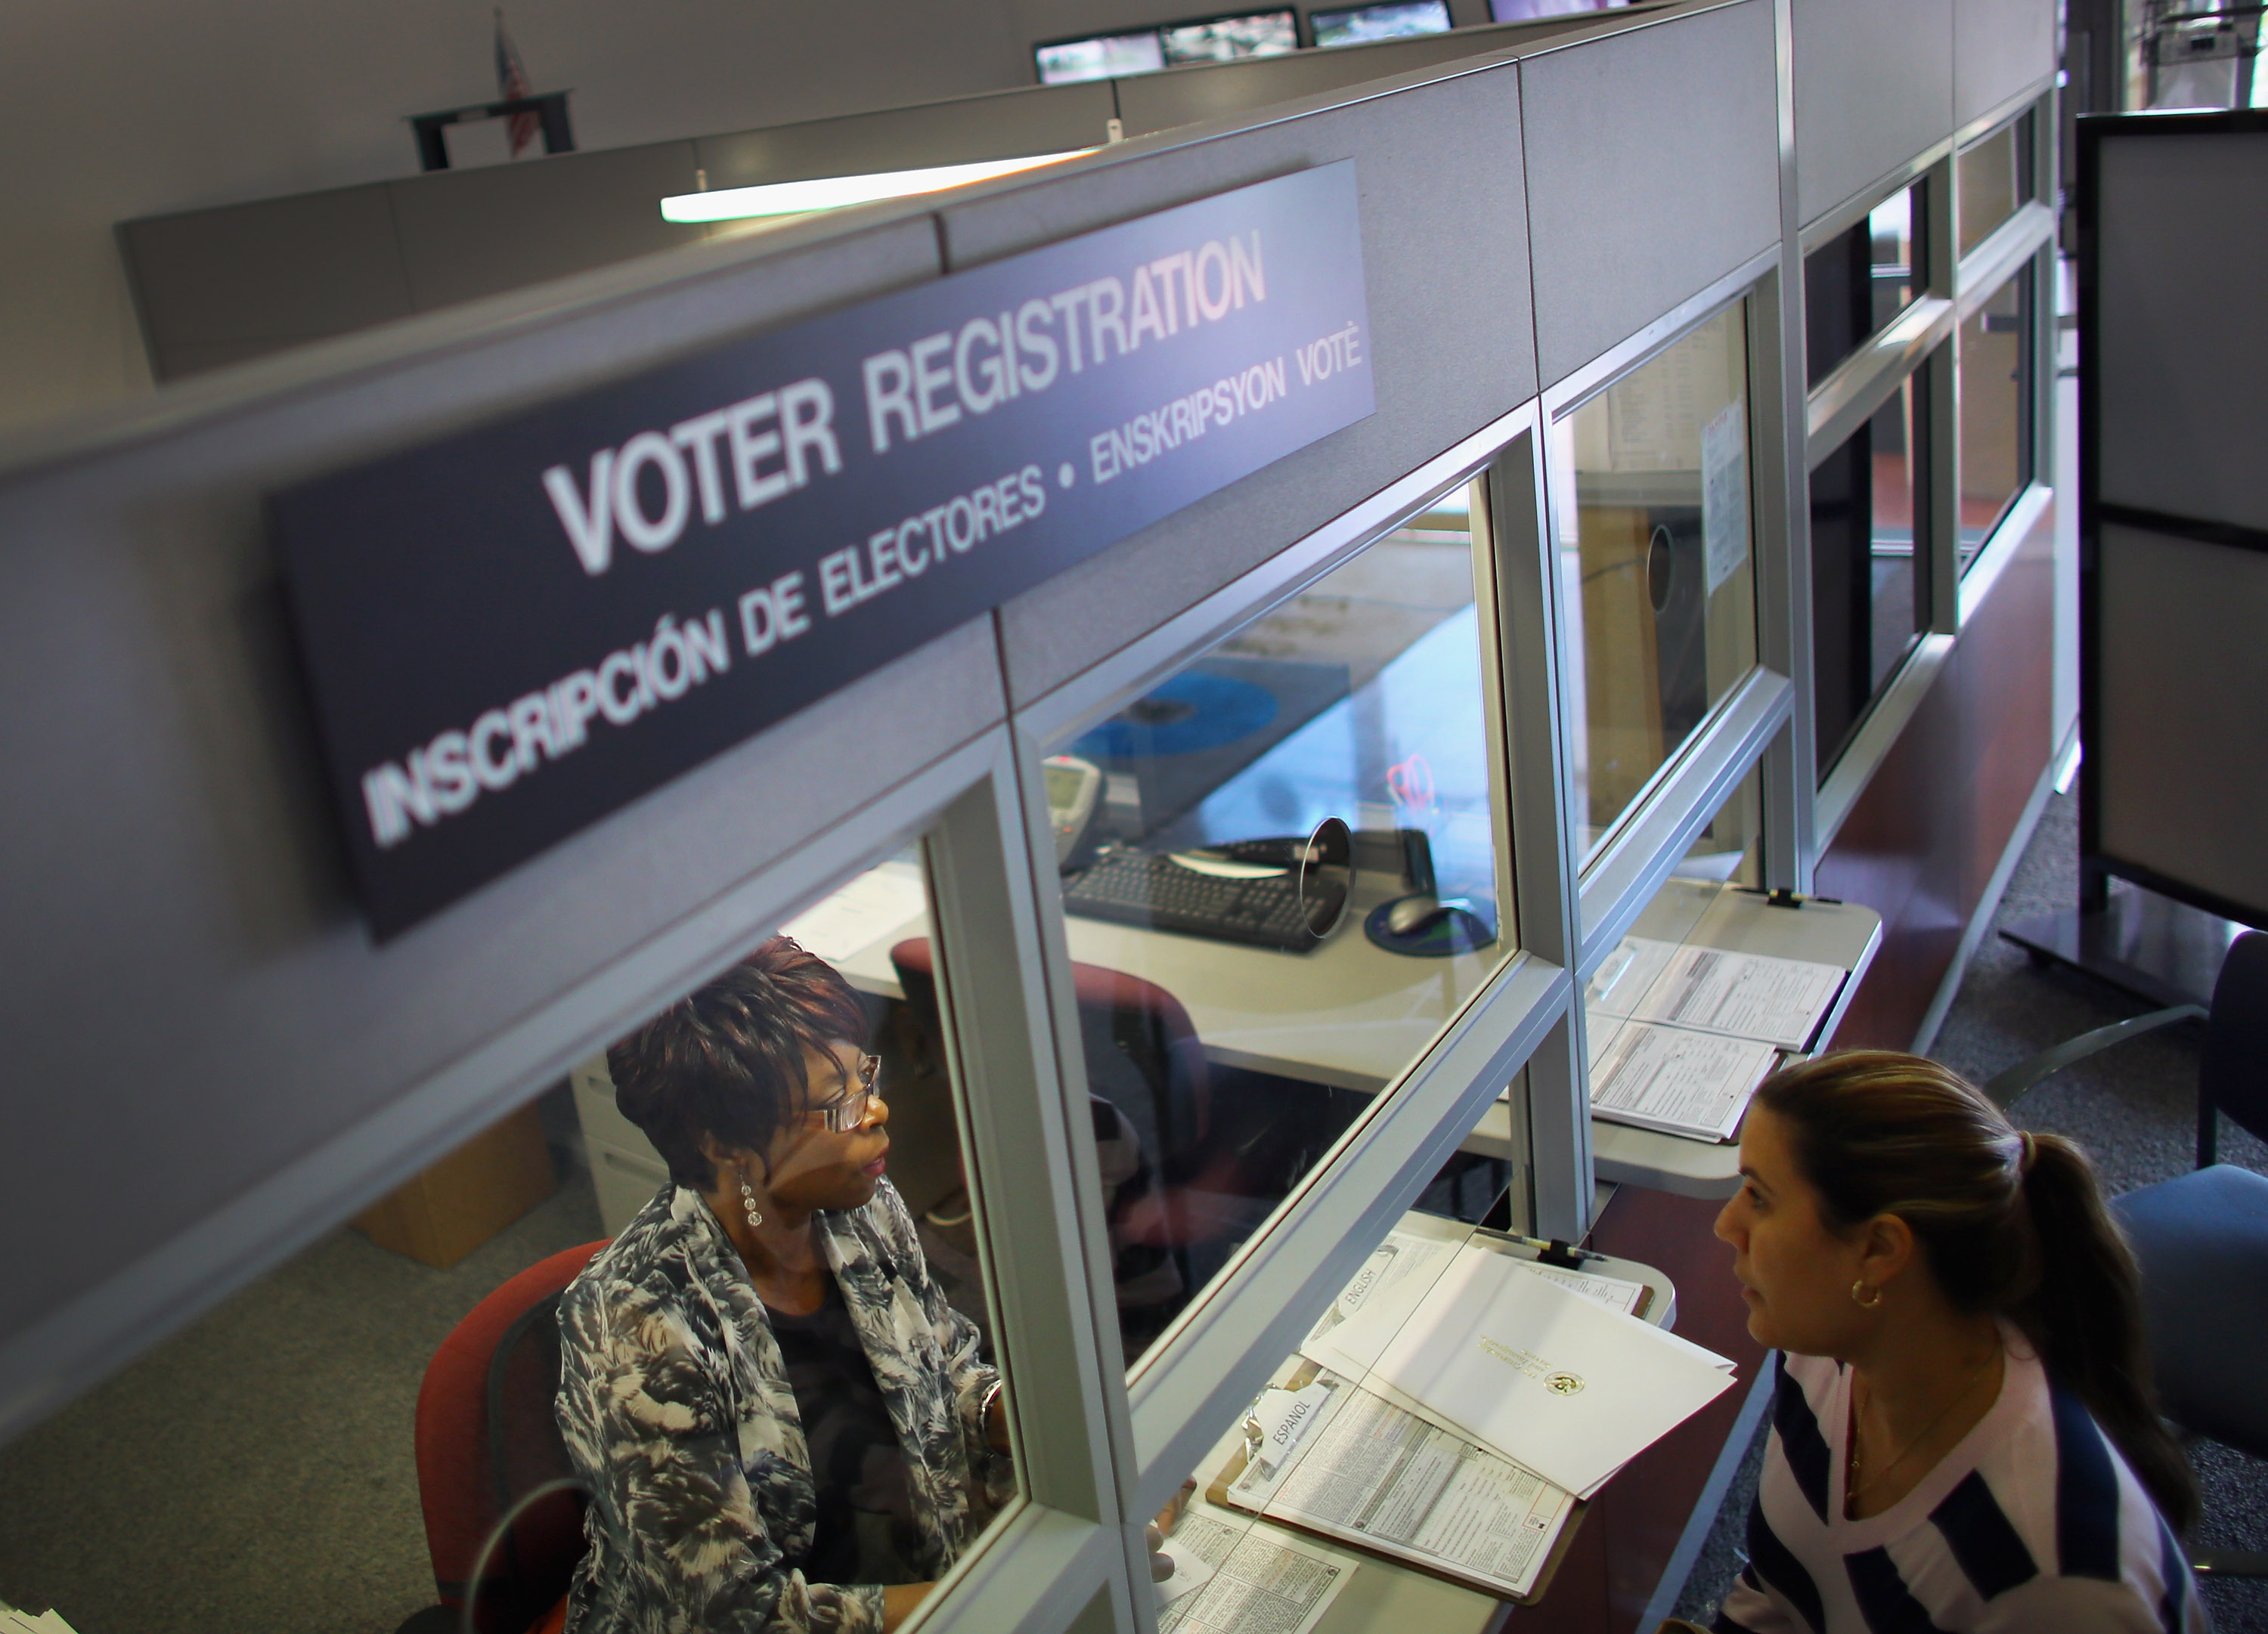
(796, 198)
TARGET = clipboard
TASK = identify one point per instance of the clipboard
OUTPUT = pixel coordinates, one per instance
(1219, 1491)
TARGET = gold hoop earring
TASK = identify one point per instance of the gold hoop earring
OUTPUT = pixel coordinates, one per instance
(1858, 1294)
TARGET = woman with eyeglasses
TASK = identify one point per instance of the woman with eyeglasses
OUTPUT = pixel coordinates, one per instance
(782, 1425)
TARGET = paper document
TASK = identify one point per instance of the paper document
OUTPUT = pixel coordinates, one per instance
(1192, 1573)
(48, 1622)
(1611, 1291)
(1390, 1285)
(1264, 1581)
(1674, 1080)
(1540, 1374)
(1711, 989)
(1373, 1474)
(872, 906)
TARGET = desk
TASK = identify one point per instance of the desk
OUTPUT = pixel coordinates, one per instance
(1349, 1014)
(1353, 1016)
(1383, 1595)
(1714, 916)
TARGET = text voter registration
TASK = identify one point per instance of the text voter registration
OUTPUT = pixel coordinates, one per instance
(515, 632)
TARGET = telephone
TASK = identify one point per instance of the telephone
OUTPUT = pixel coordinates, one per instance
(1074, 790)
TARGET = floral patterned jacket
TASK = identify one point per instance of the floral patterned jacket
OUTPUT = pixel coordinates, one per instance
(678, 1415)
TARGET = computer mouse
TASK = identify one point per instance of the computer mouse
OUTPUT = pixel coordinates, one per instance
(1419, 912)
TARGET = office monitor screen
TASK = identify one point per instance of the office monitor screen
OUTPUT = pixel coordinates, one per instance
(1227, 39)
(1523, 10)
(1110, 57)
(1352, 25)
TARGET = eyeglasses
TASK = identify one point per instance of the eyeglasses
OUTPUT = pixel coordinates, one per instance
(848, 1110)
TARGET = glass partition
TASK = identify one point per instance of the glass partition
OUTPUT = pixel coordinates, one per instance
(1994, 359)
(1869, 562)
(681, 1279)
(1862, 278)
(1688, 1013)
(1994, 177)
(1280, 873)
(1651, 516)
(1325, 1468)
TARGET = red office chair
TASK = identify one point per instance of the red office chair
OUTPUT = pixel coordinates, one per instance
(1142, 1050)
(486, 1438)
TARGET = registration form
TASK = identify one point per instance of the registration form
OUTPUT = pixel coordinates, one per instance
(1713, 990)
(1367, 1471)
(1673, 1079)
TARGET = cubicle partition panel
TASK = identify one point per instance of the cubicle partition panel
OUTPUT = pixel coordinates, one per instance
(1925, 861)
(2002, 51)
(1451, 340)
(1874, 87)
(1583, 346)
(1976, 692)
(222, 285)
(190, 911)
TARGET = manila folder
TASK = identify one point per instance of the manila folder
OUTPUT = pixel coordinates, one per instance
(1548, 1378)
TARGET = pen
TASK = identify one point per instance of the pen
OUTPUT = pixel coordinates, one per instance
(1555, 1247)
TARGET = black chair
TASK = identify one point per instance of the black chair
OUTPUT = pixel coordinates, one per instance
(2202, 1239)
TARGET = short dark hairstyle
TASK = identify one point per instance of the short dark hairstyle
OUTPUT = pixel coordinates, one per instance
(727, 1062)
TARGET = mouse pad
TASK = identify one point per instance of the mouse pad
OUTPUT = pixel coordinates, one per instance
(1458, 931)
(1194, 733)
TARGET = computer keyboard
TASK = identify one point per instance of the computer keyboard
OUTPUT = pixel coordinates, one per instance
(1137, 888)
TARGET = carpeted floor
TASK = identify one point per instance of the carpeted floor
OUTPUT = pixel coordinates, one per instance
(254, 1473)
(2134, 1108)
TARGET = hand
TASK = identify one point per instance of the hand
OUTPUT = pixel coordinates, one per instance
(899, 1600)
(1161, 1564)
(1153, 1532)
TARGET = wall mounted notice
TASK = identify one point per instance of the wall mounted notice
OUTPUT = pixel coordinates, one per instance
(513, 633)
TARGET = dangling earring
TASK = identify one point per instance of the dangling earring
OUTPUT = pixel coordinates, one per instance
(1857, 1291)
(748, 1202)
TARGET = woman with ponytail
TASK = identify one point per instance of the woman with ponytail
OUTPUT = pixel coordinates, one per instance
(1963, 1436)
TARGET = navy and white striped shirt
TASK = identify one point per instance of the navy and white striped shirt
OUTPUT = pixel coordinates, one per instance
(2032, 1525)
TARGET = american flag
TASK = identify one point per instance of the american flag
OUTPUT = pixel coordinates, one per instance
(511, 81)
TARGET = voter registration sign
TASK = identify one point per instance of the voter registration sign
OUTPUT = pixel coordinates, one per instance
(515, 631)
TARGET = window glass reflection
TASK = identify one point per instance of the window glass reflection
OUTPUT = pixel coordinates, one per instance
(1869, 563)
(1994, 177)
(1859, 281)
(1995, 412)
(699, 1286)
(1279, 879)
(1657, 582)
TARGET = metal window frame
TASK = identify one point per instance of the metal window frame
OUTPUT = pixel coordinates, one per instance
(1217, 1352)
(1636, 853)
(2017, 249)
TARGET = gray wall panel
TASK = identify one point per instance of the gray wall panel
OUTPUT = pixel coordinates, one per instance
(282, 270)
(1873, 86)
(1446, 260)
(1183, 96)
(1625, 230)
(187, 981)
(472, 232)
(1007, 125)
(2179, 383)
(2176, 748)
(2000, 48)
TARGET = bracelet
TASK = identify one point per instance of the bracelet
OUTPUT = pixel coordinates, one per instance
(991, 1394)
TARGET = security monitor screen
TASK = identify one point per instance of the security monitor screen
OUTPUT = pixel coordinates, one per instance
(1354, 24)
(1108, 57)
(1226, 39)
(1522, 11)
